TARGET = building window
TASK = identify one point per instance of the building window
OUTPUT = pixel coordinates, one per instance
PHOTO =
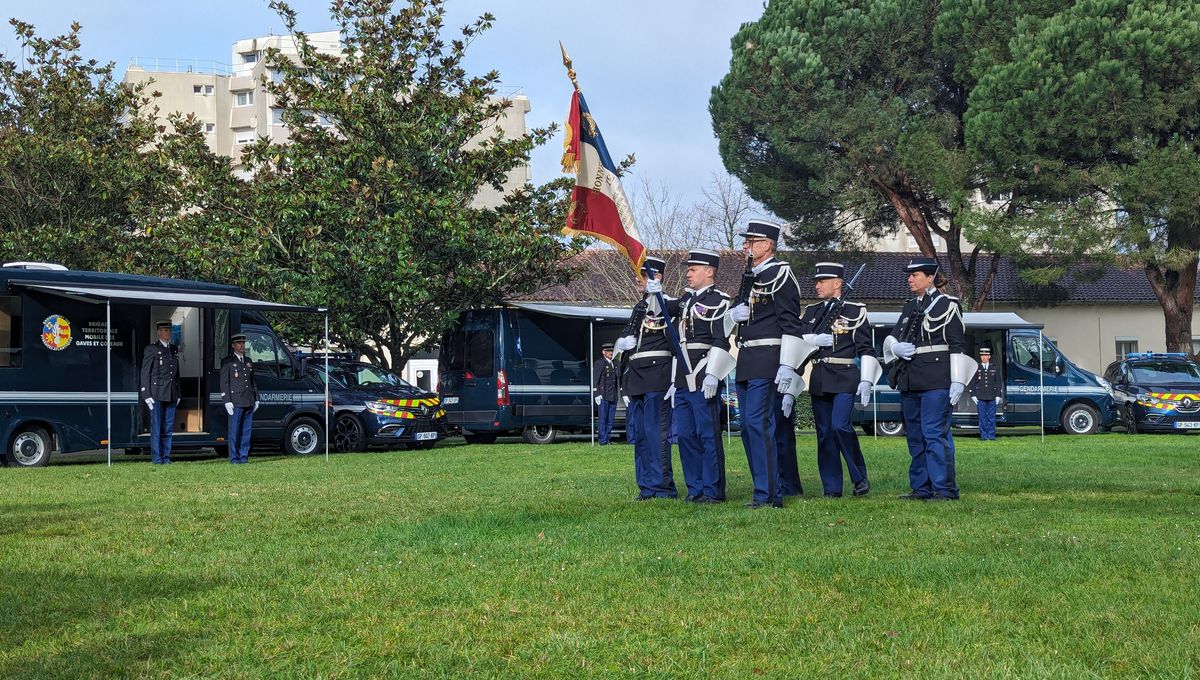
(243, 98)
(10, 332)
(1126, 346)
(245, 136)
(250, 58)
(1195, 345)
(202, 90)
(210, 127)
(277, 117)
(197, 89)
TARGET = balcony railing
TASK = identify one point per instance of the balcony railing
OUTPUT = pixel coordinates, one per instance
(165, 65)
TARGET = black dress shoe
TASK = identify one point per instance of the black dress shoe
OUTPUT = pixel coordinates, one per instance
(755, 505)
(692, 499)
(833, 495)
(862, 488)
(644, 498)
(942, 498)
(913, 497)
(705, 500)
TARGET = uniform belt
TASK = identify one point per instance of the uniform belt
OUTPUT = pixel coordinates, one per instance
(764, 342)
(933, 348)
(698, 345)
(646, 355)
(834, 360)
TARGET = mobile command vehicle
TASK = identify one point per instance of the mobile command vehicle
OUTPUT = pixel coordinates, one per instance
(1040, 384)
(55, 330)
(1156, 391)
(525, 369)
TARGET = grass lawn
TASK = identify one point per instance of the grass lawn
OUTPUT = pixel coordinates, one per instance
(1075, 558)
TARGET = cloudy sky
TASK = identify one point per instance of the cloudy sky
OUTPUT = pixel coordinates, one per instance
(646, 66)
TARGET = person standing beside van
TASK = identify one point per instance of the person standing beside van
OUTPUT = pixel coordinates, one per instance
(985, 392)
(240, 394)
(928, 366)
(160, 391)
(647, 383)
(604, 391)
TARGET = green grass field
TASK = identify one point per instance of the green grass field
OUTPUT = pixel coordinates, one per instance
(1076, 558)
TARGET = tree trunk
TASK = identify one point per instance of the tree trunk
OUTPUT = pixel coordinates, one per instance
(1176, 293)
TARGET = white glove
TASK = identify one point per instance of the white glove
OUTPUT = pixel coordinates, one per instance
(786, 404)
(975, 400)
(625, 344)
(864, 392)
(821, 340)
(626, 401)
(229, 408)
(150, 403)
(784, 377)
(740, 314)
(999, 401)
(653, 286)
(710, 386)
(598, 398)
(255, 406)
(670, 395)
(904, 350)
(956, 392)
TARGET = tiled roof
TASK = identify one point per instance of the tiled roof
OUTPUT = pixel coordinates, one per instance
(605, 278)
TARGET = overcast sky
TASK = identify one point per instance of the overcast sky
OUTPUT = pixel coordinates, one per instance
(646, 66)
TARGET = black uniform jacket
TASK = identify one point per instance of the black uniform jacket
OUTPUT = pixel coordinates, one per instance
(774, 312)
(929, 369)
(700, 318)
(237, 382)
(833, 368)
(649, 367)
(985, 386)
(160, 373)
(604, 379)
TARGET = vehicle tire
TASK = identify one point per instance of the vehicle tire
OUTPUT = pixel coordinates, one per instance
(302, 437)
(480, 437)
(349, 435)
(868, 428)
(540, 434)
(1080, 419)
(29, 447)
(1130, 421)
(222, 451)
(891, 428)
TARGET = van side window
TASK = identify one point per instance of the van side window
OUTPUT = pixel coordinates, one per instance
(10, 332)
(220, 336)
(1026, 353)
(264, 352)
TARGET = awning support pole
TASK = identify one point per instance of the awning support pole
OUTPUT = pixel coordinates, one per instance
(325, 404)
(592, 377)
(108, 373)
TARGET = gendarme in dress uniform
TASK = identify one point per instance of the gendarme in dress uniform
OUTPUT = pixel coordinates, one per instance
(240, 394)
(160, 391)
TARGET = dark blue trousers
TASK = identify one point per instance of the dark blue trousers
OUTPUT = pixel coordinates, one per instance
(240, 425)
(836, 441)
(759, 403)
(608, 412)
(987, 419)
(927, 427)
(701, 454)
(162, 427)
(785, 451)
(651, 453)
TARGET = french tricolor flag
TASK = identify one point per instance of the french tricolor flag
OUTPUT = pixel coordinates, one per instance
(598, 205)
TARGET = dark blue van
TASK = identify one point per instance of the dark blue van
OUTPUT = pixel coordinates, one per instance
(525, 369)
(58, 394)
(1041, 385)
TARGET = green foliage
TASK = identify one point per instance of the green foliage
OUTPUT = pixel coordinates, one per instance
(846, 117)
(371, 207)
(1064, 559)
(1096, 112)
(81, 181)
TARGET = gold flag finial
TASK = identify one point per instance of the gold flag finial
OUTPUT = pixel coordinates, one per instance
(567, 63)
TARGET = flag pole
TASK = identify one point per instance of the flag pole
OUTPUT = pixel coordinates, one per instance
(567, 63)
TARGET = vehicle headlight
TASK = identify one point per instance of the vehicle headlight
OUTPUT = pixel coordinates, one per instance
(1106, 385)
(380, 408)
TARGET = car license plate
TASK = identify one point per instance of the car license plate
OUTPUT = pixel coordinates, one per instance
(1187, 425)
(450, 400)
(424, 436)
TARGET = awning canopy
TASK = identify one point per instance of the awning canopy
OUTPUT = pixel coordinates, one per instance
(162, 296)
(996, 320)
(600, 314)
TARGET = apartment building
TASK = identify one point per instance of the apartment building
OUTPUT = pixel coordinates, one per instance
(234, 108)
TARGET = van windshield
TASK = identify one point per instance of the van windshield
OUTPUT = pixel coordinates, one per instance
(362, 375)
(1175, 372)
